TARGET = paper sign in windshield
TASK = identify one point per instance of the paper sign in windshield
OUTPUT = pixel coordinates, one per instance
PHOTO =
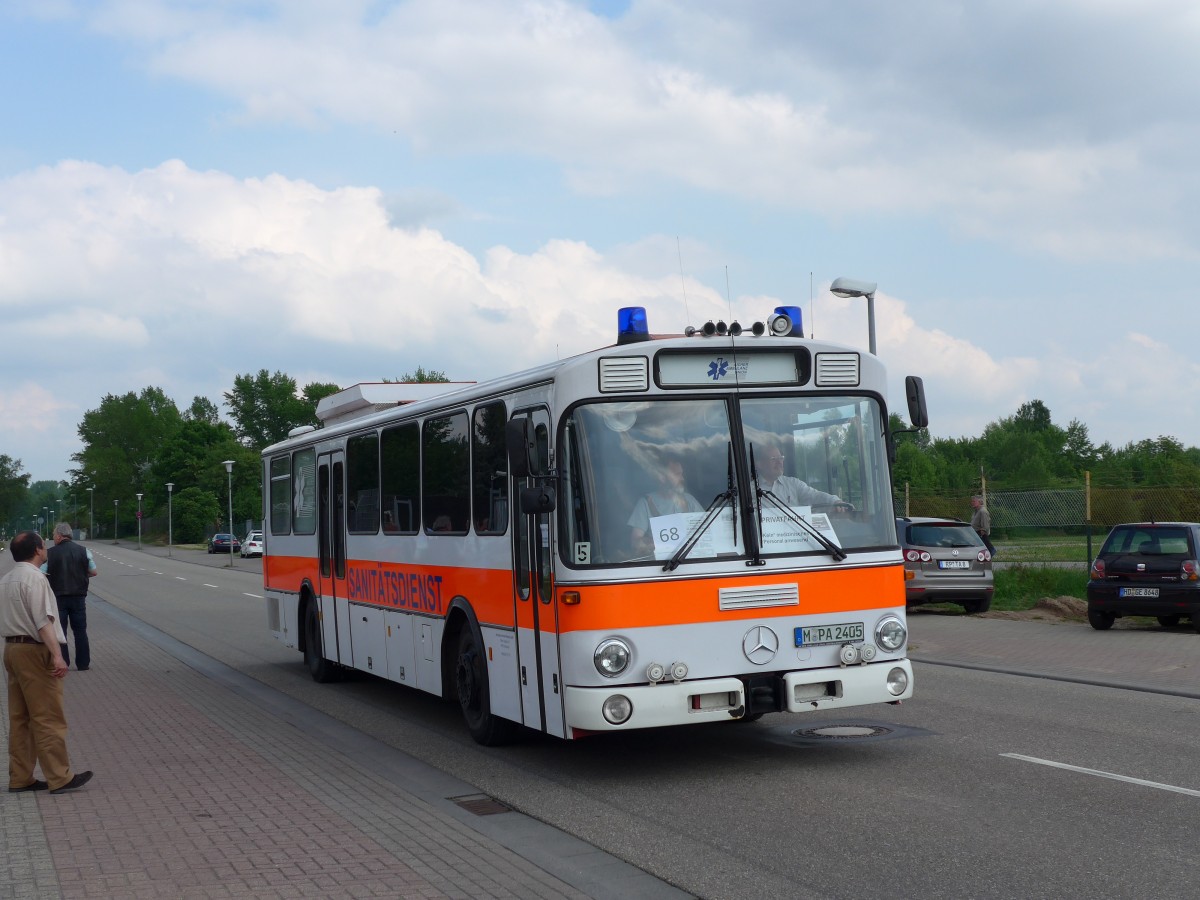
(671, 532)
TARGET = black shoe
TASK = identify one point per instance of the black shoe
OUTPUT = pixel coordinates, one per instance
(82, 668)
(80, 779)
(35, 786)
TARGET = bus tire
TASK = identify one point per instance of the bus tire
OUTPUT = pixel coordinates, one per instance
(473, 692)
(321, 669)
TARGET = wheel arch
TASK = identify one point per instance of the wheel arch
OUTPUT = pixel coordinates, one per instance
(460, 615)
(307, 596)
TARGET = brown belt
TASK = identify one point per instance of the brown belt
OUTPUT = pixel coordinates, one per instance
(21, 639)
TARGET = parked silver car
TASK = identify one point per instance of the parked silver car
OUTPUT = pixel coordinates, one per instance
(945, 561)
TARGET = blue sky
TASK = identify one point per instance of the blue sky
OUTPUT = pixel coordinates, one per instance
(194, 189)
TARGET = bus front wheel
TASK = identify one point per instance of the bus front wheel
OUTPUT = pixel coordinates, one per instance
(474, 697)
(321, 669)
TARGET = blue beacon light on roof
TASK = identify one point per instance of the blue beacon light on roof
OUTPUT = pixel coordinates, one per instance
(631, 325)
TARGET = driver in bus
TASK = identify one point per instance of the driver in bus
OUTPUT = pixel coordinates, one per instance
(671, 497)
(792, 491)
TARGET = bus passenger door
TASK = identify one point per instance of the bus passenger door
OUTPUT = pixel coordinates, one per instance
(331, 550)
(533, 585)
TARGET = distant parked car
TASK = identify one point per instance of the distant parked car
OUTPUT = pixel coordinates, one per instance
(1146, 569)
(253, 544)
(220, 544)
(945, 562)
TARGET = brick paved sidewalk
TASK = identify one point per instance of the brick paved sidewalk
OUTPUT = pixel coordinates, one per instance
(201, 793)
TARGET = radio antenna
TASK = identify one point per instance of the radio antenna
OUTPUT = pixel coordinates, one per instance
(811, 317)
(682, 283)
(728, 296)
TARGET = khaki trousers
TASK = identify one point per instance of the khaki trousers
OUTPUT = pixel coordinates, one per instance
(37, 725)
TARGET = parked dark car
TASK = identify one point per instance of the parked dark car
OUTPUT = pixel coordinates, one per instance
(945, 561)
(219, 543)
(1146, 569)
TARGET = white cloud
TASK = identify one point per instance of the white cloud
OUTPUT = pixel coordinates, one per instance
(1015, 123)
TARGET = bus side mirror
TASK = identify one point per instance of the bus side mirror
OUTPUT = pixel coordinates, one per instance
(538, 501)
(518, 437)
(914, 391)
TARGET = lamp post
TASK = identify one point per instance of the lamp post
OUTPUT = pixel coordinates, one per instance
(116, 505)
(74, 512)
(229, 472)
(170, 535)
(139, 496)
(46, 519)
(91, 512)
(848, 287)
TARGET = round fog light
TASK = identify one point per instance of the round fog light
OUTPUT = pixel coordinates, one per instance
(617, 709)
(897, 682)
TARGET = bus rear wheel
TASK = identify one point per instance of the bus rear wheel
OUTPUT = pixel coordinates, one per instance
(321, 669)
(474, 696)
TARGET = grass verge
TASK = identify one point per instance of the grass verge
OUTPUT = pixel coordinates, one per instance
(1019, 587)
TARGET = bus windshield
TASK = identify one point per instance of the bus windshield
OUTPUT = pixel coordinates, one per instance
(641, 478)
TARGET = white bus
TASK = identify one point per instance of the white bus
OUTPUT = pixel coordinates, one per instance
(665, 531)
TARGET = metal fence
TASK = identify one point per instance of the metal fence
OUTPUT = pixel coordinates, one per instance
(1070, 510)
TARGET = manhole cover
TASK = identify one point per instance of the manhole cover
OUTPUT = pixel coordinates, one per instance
(842, 732)
(481, 805)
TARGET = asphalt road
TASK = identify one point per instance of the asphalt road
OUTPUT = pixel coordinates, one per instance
(985, 785)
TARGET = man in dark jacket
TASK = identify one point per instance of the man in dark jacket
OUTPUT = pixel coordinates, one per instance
(69, 568)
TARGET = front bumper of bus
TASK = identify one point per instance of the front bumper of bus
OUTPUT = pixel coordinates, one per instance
(722, 699)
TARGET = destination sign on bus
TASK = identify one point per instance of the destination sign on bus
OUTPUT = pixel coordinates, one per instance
(721, 367)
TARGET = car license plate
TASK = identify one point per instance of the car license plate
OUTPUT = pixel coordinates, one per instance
(829, 634)
(954, 564)
(1137, 592)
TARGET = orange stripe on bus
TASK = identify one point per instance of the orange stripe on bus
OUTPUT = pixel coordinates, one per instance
(607, 607)
(429, 590)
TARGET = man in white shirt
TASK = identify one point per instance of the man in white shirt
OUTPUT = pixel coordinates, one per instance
(33, 662)
(792, 491)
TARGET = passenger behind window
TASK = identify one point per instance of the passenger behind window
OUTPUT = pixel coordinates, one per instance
(669, 498)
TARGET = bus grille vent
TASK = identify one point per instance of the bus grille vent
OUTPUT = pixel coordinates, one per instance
(837, 370)
(760, 596)
(626, 373)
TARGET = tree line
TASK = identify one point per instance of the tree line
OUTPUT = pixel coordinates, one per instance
(139, 442)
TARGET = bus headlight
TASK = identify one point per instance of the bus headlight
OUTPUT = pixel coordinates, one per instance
(617, 710)
(611, 657)
(897, 682)
(890, 633)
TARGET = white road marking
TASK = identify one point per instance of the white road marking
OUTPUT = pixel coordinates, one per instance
(180, 578)
(1099, 774)
(255, 596)
(206, 584)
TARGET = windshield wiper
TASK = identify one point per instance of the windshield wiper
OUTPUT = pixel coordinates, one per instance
(727, 497)
(834, 550)
(760, 492)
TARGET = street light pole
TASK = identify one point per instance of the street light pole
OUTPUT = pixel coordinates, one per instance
(116, 505)
(848, 287)
(170, 535)
(46, 519)
(139, 496)
(229, 472)
(91, 513)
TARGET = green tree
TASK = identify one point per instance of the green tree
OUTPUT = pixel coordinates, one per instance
(265, 407)
(14, 492)
(195, 511)
(419, 377)
(121, 441)
(203, 410)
